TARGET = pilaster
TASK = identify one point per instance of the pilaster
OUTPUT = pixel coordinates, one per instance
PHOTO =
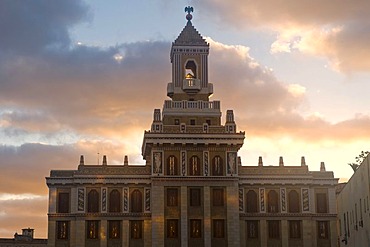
(233, 228)
(184, 217)
(263, 231)
(125, 232)
(80, 233)
(158, 213)
(51, 233)
(207, 216)
(284, 233)
(103, 233)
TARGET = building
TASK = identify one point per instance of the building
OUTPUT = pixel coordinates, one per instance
(353, 208)
(24, 240)
(193, 189)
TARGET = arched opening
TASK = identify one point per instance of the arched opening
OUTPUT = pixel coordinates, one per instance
(190, 69)
(136, 201)
(252, 203)
(115, 201)
(293, 202)
(172, 166)
(272, 202)
(217, 166)
(93, 201)
(194, 166)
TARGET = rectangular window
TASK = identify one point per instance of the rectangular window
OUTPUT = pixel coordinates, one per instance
(62, 229)
(195, 228)
(208, 122)
(218, 197)
(63, 202)
(274, 229)
(322, 229)
(172, 197)
(177, 121)
(195, 196)
(136, 228)
(114, 228)
(92, 229)
(172, 228)
(252, 228)
(192, 121)
(219, 228)
(321, 203)
(294, 228)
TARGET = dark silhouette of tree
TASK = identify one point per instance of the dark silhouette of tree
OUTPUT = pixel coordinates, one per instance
(359, 160)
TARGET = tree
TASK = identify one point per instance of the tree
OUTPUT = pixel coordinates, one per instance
(359, 160)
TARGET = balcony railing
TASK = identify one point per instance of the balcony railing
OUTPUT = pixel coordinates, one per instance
(200, 105)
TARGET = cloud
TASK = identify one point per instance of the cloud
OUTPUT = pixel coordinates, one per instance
(333, 29)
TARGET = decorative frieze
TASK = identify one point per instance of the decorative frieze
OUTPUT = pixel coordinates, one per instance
(262, 200)
(104, 200)
(183, 163)
(241, 199)
(305, 200)
(81, 199)
(231, 163)
(206, 163)
(125, 199)
(147, 200)
(283, 200)
(157, 163)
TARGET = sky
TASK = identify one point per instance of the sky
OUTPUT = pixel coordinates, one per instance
(83, 77)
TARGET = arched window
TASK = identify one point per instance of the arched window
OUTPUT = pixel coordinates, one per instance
(217, 166)
(272, 202)
(136, 201)
(194, 166)
(115, 201)
(252, 203)
(172, 167)
(93, 201)
(191, 68)
(293, 202)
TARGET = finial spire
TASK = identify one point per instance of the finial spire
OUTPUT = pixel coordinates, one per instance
(189, 9)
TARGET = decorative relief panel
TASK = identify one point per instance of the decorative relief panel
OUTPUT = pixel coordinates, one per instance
(283, 200)
(262, 200)
(241, 200)
(104, 200)
(157, 163)
(305, 200)
(183, 163)
(147, 200)
(125, 199)
(206, 163)
(81, 199)
(231, 163)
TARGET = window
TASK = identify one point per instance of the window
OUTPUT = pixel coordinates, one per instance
(93, 201)
(218, 197)
(252, 203)
(274, 229)
(63, 202)
(171, 165)
(136, 201)
(195, 196)
(92, 229)
(217, 166)
(322, 227)
(208, 121)
(192, 121)
(272, 202)
(195, 228)
(252, 228)
(177, 121)
(136, 229)
(191, 68)
(294, 228)
(321, 203)
(62, 229)
(219, 228)
(172, 197)
(114, 228)
(172, 229)
(194, 166)
(115, 201)
(293, 202)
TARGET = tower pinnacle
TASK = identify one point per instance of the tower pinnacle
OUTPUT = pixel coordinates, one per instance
(189, 10)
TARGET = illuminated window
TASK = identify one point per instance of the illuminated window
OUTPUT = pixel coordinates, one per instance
(218, 197)
(92, 229)
(272, 202)
(62, 229)
(294, 228)
(321, 203)
(172, 165)
(63, 202)
(274, 229)
(172, 197)
(136, 228)
(293, 202)
(195, 228)
(114, 228)
(172, 228)
(194, 166)
(323, 229)
(219, 228)
(252, 228)
(195, 197)
(217, 166)
(136, 201)
(252, 202)
(93, 201)
(115, 201)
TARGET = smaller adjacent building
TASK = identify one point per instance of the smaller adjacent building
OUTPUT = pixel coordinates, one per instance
(25, 239)
(353, 208)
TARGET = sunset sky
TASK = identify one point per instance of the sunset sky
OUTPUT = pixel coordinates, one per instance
(83, 77)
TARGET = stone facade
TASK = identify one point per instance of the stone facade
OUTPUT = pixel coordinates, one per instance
(193, 189)
(353, 208)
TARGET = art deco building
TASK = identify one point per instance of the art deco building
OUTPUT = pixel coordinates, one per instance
(193, 190)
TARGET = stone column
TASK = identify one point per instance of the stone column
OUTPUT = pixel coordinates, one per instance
(80, 233)
(184, 216)
(51, 233)
(125, 232)
(158, 216)
(263, 231)
(147, 233)
(74, 200)
(103, 233)
(207, 216)
(284, 233)
(242, 232)
(307, 234)
(52, 200)
(233, 228)
(72, 237)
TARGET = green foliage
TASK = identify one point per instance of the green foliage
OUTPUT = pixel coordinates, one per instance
(359, 160)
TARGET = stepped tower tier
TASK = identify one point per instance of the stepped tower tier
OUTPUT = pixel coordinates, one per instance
(188, 138)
